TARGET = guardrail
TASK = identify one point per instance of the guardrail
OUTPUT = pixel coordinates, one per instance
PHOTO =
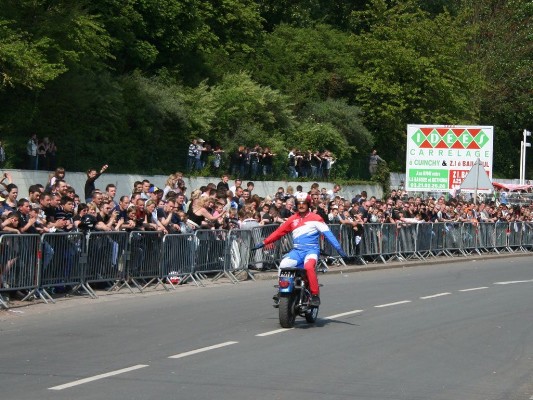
(53, 263)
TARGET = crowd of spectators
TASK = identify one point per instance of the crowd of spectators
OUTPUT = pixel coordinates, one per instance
(172, 209)
(255, 162)
(56, 207)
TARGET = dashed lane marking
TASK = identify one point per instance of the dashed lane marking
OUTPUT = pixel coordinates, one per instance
(474, 288)
(435, 295)
(510, 282)
(98, 377)
(393, 304)
(203, 349)
(344, 314)
(273, 332)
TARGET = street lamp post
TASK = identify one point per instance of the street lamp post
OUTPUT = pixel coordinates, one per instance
(523, 145)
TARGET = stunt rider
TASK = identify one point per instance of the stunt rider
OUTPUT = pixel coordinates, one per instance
(306, 228)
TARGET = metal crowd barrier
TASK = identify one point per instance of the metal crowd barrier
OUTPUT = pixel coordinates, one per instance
(501, 230)
(379, 242)
(19, 264)
(438, 240)
(237, 255)
(268, 256)
(176, 264)
(60, 262)
(486, 237)
(371, 241)
(143, 261)
(514, 239)
(452, 238)
(327, 251)
(527, 236)
(423, 240)
(350, 241)
(407, 240)
(469, 235)
(106, 264)
(62, 267)
(211, 257)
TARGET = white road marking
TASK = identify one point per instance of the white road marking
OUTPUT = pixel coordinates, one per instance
(274, 332)
(393, 304)
(344, 314)
(474, 288)
(97, 377)
(192, 352)
(435, 295)
(509, 282)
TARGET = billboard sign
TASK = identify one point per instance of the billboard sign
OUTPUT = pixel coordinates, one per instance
(440, 156)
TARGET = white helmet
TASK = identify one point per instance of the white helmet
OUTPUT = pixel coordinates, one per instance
(303, 197)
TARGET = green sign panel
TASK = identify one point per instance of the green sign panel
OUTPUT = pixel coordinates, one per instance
(428, 178)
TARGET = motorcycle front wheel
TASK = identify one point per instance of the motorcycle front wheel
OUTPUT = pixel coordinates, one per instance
(287, 311)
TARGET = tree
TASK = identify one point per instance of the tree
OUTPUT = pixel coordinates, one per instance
(306, 63)
(346, 119)
(412, 67)
(24, 61)
(504, 49)
(248, 112)
(154, 34)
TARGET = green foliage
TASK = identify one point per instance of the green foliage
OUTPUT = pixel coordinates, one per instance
(505, 45)
(305, 13)
(412, 68)
(153, 34)
(24, 61)
(157, 123)
(346, 119)
(382, 176)
(132, 81)
(248, 113)
(306, 63)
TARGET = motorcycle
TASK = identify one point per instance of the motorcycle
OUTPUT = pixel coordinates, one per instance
(294, 297)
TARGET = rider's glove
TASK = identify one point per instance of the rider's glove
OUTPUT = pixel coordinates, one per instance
(258, 246)
(342, 253)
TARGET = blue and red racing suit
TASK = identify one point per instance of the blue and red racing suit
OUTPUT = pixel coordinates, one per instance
(306, 233)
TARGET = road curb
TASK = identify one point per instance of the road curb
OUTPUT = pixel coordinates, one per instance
(272, 274)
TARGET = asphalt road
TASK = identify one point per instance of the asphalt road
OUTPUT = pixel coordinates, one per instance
(460, 331)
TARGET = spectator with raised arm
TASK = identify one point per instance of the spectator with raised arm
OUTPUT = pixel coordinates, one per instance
(92, 176)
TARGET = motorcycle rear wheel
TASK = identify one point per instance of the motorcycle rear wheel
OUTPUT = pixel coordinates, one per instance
(287, 312)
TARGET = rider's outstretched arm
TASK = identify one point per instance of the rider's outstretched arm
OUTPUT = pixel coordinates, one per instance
(333, 241)
(284, 228)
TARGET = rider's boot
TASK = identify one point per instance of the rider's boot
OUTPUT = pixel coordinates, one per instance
(276, 300)
(315, 300)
